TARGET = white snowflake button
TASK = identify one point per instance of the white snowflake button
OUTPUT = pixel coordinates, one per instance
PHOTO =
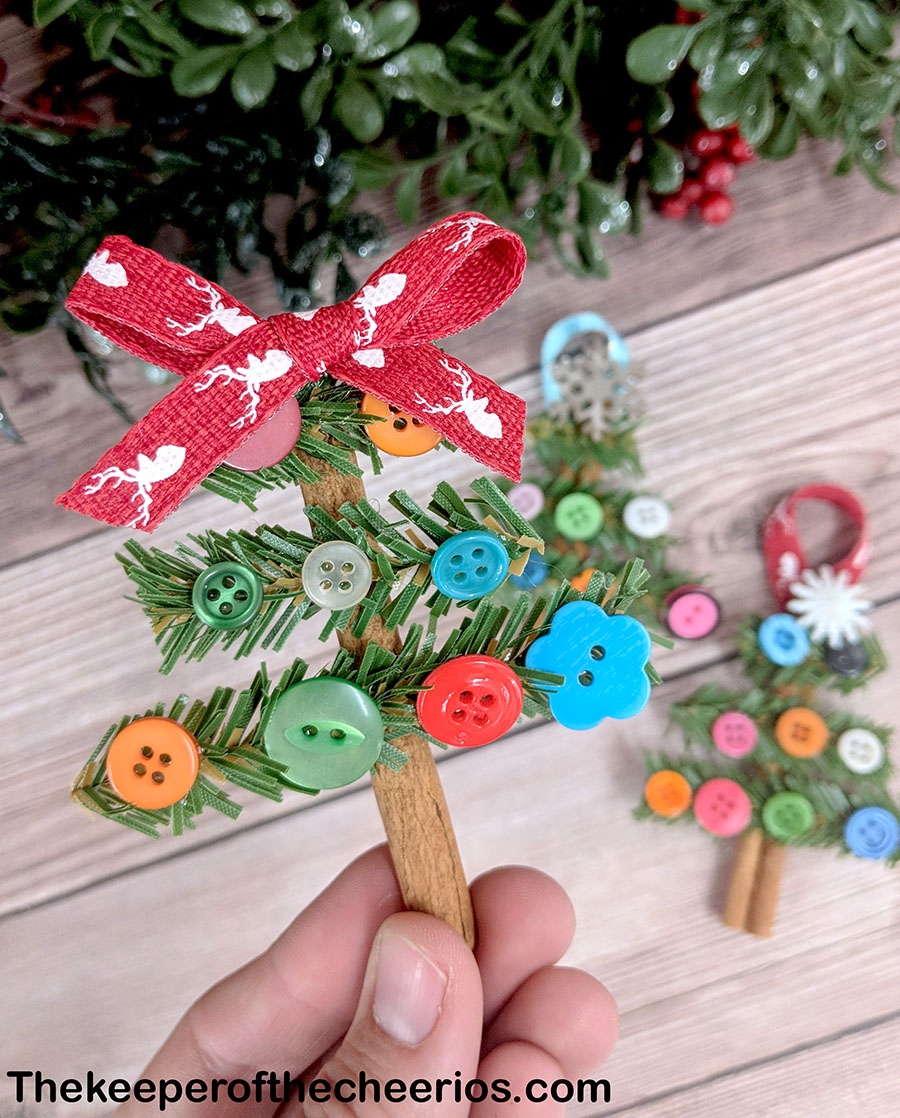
(647, 517)
(829, 606)
(860, 750)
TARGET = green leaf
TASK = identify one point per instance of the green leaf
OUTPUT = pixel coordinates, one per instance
(784, 136)
(655, 56)
(200, 73)
(315, 92)
(870, 28)
(293, 50)
(229, 16)
(758, 115)
(573, 155)
(600, 207)
(532, 115)
(393, 25)
(359, 110)
(100, 32)
(408, 194)
(659, 112)
(45, 11)
(708, 45)
(665, 167)
(372, 170)
(253, 79)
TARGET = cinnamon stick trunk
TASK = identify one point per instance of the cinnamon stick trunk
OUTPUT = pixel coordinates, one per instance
(412, 803)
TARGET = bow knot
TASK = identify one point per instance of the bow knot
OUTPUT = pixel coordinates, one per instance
(238, 369)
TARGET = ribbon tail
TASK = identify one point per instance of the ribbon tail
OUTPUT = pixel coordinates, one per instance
(468, 409)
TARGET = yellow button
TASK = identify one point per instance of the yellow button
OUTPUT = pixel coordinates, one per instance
(667, 793)
(401, 434)
(152, 763)
(801, 732)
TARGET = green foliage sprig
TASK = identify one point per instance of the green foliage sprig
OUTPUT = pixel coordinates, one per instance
(229, 130)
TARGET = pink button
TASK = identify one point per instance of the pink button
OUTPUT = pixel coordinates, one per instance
(526, 499)
(272, 442)
(722, 807)
(693, 612)
(734, 734)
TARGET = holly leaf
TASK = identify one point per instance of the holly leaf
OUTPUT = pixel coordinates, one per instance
(654, 56)
(253, 79)
(315, 92)
(665, 167)
(293, 50)
(784, 136)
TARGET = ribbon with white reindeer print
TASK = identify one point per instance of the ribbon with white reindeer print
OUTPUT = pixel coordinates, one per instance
(238, 369)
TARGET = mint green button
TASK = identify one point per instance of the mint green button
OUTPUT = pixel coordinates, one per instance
(327, 731)
(787, 815)
(579, 516)
(227, 596)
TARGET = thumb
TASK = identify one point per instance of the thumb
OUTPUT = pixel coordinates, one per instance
(419, 1019)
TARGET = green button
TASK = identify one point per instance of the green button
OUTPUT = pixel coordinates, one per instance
(327, 731)
(579, 516)
(787, 815)
(227, 596)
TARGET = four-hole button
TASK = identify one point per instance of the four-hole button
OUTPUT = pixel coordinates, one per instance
(152, 763)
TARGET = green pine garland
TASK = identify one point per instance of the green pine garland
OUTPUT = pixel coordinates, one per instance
(831, 788)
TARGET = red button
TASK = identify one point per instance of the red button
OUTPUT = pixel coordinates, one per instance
(722, 807)
(692, 612)
(473, 700)
(273, 441)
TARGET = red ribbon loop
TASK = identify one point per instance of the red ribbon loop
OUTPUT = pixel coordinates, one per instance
(784, 554)
(238, 368)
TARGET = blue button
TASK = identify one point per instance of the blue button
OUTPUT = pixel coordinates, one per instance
(534, 573)
(872, 832)
(469, 565)
(602, 659)
(783, 640)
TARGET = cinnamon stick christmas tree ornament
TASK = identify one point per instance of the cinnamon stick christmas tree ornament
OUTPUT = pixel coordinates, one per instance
(772, 764)
(585, 496)
(292, 400)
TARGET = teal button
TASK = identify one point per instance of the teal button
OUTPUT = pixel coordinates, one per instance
(227, 596)
(327, 731)
(579, 516)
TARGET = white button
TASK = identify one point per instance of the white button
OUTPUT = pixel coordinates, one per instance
(336, 575)
(526, 499)
(647, 517)
(860, 750)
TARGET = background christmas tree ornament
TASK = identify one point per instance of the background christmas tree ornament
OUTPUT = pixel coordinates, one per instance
(769, 764)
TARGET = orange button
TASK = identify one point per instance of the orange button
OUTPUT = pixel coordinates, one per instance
(401, 434)
(667, 793)
(152, 763)
(581, 580)
(801, 732)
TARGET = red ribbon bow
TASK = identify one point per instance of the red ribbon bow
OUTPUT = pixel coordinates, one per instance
(238, 368)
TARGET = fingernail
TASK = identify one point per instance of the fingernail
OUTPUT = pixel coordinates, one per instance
(409, 990)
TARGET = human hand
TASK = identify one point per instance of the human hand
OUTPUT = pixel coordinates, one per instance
(358, 984)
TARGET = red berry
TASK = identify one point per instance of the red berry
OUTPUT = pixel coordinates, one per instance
(740, 151)
(718, 173)
(683, 16)
(673, 207)
(691, 192)
(706, 142)
(716, 207)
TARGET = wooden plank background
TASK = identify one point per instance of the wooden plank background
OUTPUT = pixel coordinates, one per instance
(770, 353)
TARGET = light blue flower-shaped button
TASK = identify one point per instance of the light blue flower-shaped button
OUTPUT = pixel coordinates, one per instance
(469, 565)
(783, 640)
(533, 573)
(872, 832)
(602, 659)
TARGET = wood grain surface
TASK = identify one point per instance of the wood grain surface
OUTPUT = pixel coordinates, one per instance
(770, 350)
